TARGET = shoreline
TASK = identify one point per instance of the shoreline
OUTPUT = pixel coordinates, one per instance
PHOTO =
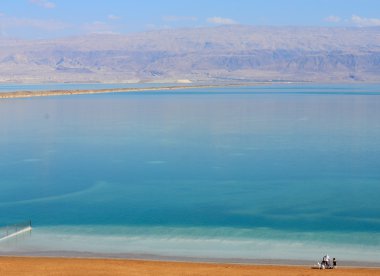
(146, 257)
(68, 92)
(92, 266)
(45, 93)
(180, 252)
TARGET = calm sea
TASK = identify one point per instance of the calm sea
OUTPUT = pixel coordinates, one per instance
(272, 172)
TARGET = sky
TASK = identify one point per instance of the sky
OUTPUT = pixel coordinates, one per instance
(36, 19)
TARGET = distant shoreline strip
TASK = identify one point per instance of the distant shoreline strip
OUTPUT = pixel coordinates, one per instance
(28, 94)
(189, 260)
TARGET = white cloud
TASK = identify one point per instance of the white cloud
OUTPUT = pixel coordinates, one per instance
(333, 19)
(113, 17)
(173, 18)
(365, 22)
(43, 3)
(221, 20)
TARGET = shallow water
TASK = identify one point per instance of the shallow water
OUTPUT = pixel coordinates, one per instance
(253, 172)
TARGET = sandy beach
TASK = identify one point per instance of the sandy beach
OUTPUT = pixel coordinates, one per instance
(77, 266)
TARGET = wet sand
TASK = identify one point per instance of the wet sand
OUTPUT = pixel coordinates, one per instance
(81, 266)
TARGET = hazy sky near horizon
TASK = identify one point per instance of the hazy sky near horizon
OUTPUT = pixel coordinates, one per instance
(57, 18)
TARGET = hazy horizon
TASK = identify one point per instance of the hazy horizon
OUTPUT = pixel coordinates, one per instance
(175, 30)
(170, 41)
(46, 19)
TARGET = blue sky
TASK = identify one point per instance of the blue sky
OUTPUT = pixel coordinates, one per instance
(57, 18)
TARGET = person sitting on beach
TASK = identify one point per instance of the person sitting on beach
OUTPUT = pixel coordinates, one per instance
(326, 261)
(334, 263)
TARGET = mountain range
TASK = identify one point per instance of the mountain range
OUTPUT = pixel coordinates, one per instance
(232, 53)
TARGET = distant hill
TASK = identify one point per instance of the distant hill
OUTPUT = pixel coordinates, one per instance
(226, 53)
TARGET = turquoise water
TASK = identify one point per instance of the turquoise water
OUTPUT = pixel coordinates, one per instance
(285, 172)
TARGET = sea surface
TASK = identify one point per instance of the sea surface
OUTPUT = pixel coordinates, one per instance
(265, 172)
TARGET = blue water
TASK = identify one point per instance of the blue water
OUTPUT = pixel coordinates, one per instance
(253, 172)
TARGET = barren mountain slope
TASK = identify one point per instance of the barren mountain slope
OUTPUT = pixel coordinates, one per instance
(203, 54)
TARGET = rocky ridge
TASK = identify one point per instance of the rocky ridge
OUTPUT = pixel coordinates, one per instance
(226, 53)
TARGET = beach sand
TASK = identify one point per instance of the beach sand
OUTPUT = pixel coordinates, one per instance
(80, 266)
